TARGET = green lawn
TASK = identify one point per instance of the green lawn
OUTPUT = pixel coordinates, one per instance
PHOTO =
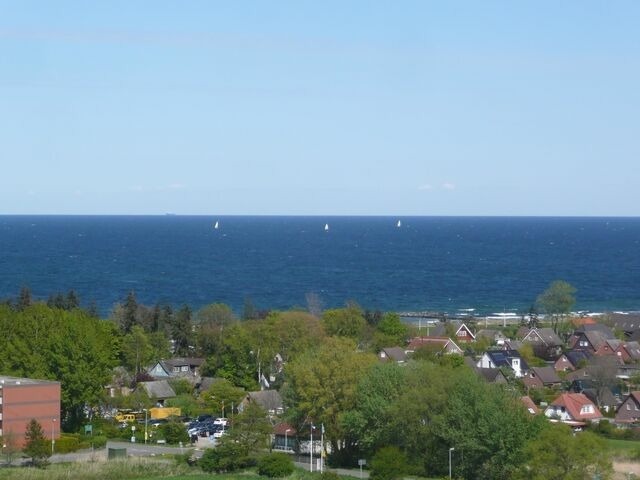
(624, 448)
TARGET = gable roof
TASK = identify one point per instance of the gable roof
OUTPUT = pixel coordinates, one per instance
(573, 403)
(440, 329)
(396, 354)
(578, 356)
(192, 362)
(269, 400)
(546, 335)
(159, 389)
(491, 334)
(530, 405)
(491, 375)
(445, 342)
(627, 322)
(502, 358)
(633, 349)
(596, 327)
(547, 375)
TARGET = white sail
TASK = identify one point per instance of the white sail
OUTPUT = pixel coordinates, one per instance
(216, 225)
(326, 227)
(399, 224)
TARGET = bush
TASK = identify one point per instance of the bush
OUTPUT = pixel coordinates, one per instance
(67, 443)
(174, 433)
(329, 476)
(388, 463)
(226, 457)
(275, 465)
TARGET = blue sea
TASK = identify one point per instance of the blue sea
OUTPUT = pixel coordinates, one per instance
(492, 264)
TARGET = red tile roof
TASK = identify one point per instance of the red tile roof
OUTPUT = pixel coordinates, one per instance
(574, 402)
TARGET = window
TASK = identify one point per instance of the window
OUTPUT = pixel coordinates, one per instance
(462, 333)
(586, 409)
(185, 368)
(176, 369)
(628, 407)
(583, 343)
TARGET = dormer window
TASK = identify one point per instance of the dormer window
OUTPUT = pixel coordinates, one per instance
(586, 409)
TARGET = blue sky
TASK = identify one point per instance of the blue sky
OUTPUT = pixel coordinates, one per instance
(332, 107)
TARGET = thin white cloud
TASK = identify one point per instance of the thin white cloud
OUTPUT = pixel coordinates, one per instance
(176, 186)
(425, 186)
(448, 186)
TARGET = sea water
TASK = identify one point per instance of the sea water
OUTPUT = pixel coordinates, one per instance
(491, 264)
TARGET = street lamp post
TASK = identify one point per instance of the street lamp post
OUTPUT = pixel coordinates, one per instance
(450, 450)
(286, 445)
(53, 441)
(311, 449)
(145, 425)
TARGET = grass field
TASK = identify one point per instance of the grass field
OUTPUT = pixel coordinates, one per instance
(130, 469)
(629, 449)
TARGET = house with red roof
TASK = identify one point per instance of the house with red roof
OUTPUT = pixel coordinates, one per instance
(574, 409)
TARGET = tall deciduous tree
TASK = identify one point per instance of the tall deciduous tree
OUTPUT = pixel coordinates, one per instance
(376, 393)
(68, 346)
(136, 350)
(556, 302)
(556, 454)
(344, 322)
(322, 386)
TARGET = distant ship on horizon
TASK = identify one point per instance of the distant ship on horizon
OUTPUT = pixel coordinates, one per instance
(326, 227)
(399, 224)
(216, 225)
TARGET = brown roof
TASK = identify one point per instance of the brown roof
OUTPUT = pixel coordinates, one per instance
(394, 353)
(547, 375)
(530, 405)
(281, 428)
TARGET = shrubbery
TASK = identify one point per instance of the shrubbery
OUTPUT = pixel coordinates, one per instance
(226, 457)
(275, 465)
(388, 463)
(174, 433)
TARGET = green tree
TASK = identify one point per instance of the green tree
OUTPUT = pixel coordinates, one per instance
(136, 350)
(67, 346)
(322, 387)
(344, 322)
(222, 394)
(556, 302)
(251, 429)
(174, 433)
(555, 454)
(181, 331)
(376, 393)
(24, 299)
(215, 314)
(234, 359)
(390, 331)
(389, 463)
(36, 445)
(489, 431)
(130, 312)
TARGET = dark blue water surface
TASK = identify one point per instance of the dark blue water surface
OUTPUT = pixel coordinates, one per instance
(492, 264)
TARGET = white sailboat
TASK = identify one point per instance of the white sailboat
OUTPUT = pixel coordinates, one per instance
(216, 225)
(326, 227)
(399, 224)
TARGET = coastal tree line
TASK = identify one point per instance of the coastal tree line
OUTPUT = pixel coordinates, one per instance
(330, 378)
